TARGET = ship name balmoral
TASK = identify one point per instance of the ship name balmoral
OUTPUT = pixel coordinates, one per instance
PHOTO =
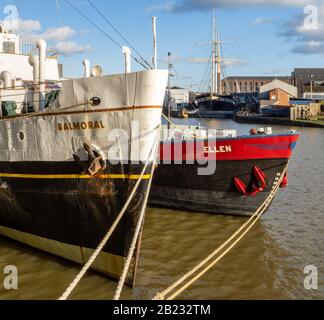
(76, 126)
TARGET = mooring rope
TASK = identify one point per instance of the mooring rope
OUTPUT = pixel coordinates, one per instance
(245, 228)
(138, 229)
(169, 120)
(104, 241)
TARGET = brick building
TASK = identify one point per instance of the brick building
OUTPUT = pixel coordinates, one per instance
(309, 82)
(248, 84)
(277, 93)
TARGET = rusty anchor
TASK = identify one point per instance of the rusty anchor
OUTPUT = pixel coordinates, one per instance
(96, 158)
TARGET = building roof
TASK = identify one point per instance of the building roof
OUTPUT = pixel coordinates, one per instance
(305, 69)
(258, 77)
(277, 84)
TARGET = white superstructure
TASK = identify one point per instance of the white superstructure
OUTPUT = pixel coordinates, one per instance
(22, 74)
(14, 56)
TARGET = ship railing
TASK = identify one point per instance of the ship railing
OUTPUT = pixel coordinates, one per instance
(27, 47)
(185, 134)
(23, 96)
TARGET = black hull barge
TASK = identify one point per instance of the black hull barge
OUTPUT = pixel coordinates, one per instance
(247, 169)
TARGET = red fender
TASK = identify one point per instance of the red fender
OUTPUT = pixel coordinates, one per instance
(259, 175)
(240, 185)
(284, 182)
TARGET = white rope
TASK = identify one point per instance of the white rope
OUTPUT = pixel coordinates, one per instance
(169, 120)
(104, 241)
(244, 228)
(137, 231)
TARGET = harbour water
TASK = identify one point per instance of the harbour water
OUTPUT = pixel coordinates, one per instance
(268, 264)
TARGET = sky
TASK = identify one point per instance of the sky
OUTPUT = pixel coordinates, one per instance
(260, 37)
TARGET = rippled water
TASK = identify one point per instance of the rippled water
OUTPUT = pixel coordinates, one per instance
(268, 264)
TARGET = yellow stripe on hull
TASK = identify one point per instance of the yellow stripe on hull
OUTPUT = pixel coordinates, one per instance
(74, 176)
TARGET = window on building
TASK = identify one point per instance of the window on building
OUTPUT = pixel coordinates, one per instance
(9, 47)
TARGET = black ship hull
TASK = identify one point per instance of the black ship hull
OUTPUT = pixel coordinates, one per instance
(215, 193)
(218, 108)
(54, 207)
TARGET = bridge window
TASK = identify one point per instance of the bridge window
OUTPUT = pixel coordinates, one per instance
(9, 47)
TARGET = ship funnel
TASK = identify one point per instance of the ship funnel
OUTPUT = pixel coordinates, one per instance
(127, 55)
(42, 46)
(87, 72)
(34, 62)
(6, 77)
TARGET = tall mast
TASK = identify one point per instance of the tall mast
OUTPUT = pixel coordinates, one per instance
(154, 60)
(218, 61)
(213, 56)
(169, 87)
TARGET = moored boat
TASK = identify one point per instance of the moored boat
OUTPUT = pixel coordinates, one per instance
(219, 173)
(215, 106)
(68, 167)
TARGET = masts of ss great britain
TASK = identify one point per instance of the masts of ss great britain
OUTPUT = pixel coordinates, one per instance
(66, 170)
(214, 104)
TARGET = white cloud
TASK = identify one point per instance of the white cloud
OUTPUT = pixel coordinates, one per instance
(310, 47)
(167, 7)
(58, 34)
(172, 59)
(30, 31)
(179, 6)
(22, 26)
(30, 25)
(262, 21)
(69, 48)
(307, 40)
(52, 34)
(234, 62)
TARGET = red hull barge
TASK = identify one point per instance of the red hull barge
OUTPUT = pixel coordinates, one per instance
(244, 171)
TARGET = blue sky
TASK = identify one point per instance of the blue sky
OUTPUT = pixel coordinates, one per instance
(267, 35)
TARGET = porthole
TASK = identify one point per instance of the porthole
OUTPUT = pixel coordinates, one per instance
(21, 135)
(95, 101)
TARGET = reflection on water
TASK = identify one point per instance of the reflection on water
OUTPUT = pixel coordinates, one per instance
(267, 264)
